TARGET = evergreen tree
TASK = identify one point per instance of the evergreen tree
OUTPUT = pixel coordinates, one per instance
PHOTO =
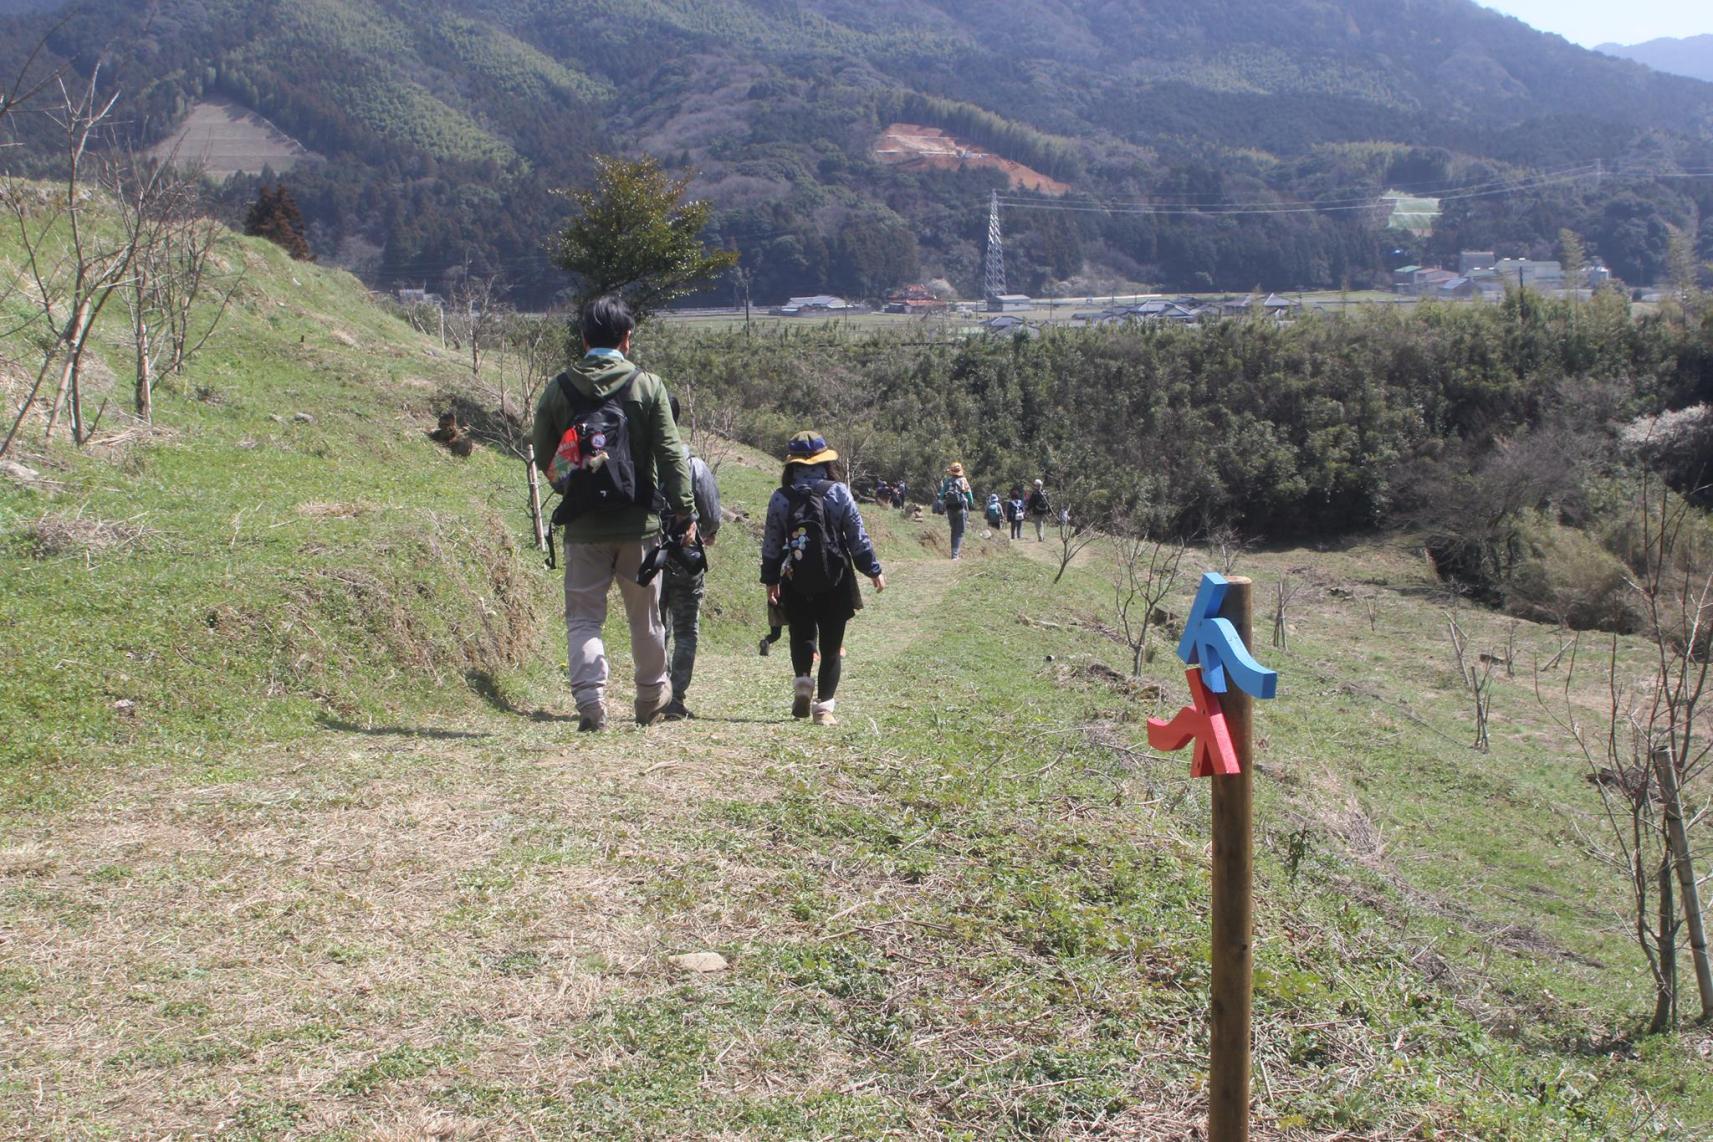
(634, 235)
(275, 216)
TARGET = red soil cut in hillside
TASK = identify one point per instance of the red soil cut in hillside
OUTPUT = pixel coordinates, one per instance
(915, 147)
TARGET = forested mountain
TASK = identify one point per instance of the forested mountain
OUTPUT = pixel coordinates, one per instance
(1689, 55)
(446, 127)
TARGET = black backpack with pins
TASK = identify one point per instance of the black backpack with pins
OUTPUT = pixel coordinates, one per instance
(815, 561)
(593, 468)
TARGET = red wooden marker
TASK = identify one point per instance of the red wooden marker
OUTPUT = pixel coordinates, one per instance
(1202, 722)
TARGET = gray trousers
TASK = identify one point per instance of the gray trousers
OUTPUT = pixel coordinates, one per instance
(590, 571)
(680, 610)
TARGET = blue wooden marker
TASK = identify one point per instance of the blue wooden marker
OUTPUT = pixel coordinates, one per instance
(1213, 643)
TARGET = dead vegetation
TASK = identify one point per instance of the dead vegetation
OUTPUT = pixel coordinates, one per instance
(58, 535)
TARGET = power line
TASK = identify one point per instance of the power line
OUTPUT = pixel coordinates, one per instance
(1258, 208)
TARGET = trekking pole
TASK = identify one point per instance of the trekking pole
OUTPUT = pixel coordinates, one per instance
(1233, 920)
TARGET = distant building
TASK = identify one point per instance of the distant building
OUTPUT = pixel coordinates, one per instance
(1012, 324)
(1010, 303)
(1470, 260)
(820, 303)
(1457, 288)
(1518, 273)
(913, 299)
(1420, 281)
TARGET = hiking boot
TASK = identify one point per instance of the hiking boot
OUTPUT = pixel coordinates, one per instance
(675, 711)
(592, 720)
(765, 646)
(803, 695)
(824, 713)
(650, 710)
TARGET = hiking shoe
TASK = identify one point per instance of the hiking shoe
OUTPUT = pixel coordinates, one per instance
(591, 721)
(824, 713)
(650, 710)
(764, 647)
(802, 697)
(675, 711)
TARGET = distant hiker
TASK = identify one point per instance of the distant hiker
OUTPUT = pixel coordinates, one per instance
(681, 589)
(813, 545)
(994, 513)
(883, 493)
(898, 491)
(1038, 509)
(956, 500)
(605, 437)
(1014, 511)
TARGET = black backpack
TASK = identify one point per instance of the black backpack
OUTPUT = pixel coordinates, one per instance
(814, 559)
(604, 475)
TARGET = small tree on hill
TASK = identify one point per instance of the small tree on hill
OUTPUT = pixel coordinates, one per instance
(634, 235)
(275, 216)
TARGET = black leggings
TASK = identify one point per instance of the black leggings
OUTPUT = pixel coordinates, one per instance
(818, 619)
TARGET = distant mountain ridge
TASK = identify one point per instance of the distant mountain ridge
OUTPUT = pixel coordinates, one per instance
(1690, 56)
(446, 124)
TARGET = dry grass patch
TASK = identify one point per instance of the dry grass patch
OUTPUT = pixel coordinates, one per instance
(56, 535)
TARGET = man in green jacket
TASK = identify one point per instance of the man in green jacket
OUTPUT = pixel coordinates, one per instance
(610, 543)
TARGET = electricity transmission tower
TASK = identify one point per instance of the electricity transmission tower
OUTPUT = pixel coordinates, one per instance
(995, 251)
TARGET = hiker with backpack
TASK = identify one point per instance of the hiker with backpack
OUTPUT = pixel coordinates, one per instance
(682, 586)
(995, 513)
(605, 436)
(956, 500)
(1014, 510)
(812, 547)
(1039, 508)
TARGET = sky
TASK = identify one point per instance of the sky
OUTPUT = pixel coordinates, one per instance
(1591, 22)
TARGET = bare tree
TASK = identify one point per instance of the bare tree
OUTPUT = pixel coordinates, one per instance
(1285, 592)
(529, 350)
(1675, 586)
(171, 277)
(1647, 756)
(1225, 544)
(475, 316)
(69, 291)
(1145, 571)
(1619, 754)
(712, 425)
(1476, 674)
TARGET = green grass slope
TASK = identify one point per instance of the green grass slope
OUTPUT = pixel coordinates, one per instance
(343, 868)
(285, 546)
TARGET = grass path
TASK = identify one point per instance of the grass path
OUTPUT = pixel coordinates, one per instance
(383, 905)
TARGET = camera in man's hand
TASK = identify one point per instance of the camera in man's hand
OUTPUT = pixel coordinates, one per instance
(691, 556)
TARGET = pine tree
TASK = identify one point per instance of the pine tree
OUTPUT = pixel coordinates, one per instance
(634, 234)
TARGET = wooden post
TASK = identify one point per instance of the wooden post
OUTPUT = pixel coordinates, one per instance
(1233, 924)
(535, 498)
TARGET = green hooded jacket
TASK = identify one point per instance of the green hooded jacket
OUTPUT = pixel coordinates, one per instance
(661, 457)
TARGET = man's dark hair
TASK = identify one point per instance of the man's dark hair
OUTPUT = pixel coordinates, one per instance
(672, 398)
(605, 321)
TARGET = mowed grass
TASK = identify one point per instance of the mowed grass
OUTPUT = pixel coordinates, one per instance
(364, 879)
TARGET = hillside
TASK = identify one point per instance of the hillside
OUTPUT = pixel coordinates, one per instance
(296, 837)
(1690, 56)
(447, 126)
